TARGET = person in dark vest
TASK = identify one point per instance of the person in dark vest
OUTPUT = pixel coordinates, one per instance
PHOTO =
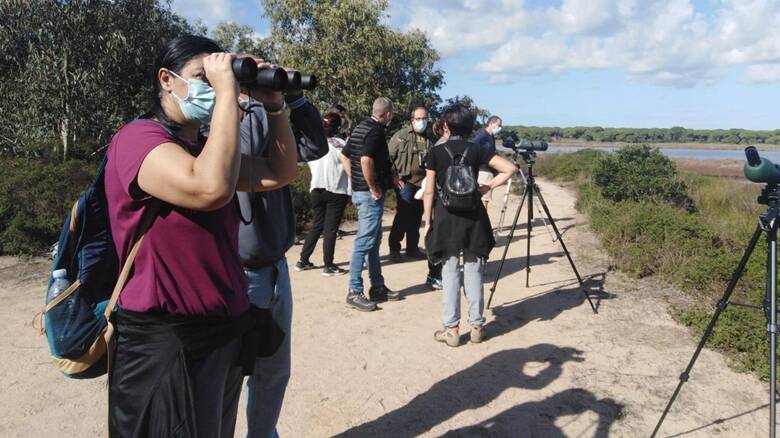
(450, 235)
(367, 160)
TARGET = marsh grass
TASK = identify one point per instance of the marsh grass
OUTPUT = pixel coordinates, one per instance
(695, 250)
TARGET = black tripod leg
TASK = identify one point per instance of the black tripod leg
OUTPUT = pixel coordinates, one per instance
(563, 245)
(724, 301)
(506, 248)
(529, 229)
(770, 308)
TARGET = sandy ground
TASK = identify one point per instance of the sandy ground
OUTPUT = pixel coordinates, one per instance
(550, 367)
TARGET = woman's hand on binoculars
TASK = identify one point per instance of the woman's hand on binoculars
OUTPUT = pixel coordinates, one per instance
(219, 72)
(272, 100)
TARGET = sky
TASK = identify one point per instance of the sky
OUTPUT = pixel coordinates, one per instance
(613, 63)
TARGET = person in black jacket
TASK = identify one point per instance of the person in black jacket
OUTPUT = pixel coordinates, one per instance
(453, 234)
(367, 161)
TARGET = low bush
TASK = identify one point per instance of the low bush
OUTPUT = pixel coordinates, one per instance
(640, 173)
(34, 197)
(696, 249)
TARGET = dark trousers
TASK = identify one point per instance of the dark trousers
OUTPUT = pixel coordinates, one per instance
(328, 209)
(408, 217)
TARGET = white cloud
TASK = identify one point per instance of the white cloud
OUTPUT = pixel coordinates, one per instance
(210, 11)
(762, 73)
(667, 42)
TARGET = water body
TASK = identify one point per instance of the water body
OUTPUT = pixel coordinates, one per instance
(695, 154)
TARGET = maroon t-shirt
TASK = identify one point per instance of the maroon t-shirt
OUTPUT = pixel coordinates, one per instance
(188, 263)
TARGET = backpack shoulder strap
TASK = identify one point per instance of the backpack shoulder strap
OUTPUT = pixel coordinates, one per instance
(449, 152)
(146, 223)
(465, 152)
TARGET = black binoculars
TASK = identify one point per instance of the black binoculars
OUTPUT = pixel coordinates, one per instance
(274, 79)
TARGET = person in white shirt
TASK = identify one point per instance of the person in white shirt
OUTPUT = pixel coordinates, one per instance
(330, 191)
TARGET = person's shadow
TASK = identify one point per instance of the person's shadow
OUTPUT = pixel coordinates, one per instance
(537, 419)
(471, 388)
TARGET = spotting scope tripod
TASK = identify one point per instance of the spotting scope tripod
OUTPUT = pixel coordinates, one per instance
(758, 170)
(531, 190)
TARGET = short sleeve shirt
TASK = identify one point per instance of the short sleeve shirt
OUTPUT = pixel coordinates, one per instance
(188, 263)
(439, 160)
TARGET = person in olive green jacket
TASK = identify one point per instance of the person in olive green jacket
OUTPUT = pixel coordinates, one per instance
(408, 148)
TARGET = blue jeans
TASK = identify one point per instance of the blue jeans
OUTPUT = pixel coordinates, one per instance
(366, 246)
(269, 288)
(473, 269)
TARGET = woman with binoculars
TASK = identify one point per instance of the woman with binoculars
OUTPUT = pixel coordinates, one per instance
(184, 309)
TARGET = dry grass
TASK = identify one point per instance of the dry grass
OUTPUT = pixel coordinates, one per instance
(721, 168)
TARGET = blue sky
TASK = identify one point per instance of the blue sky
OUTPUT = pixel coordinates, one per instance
(618, 63)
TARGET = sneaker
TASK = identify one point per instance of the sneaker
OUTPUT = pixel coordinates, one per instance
(332, 271)
(416, 254)
(477, 334)
(303, 266)
(434, 282)
(449, 336)
(382, 293)
(395, 256)
(360, 302)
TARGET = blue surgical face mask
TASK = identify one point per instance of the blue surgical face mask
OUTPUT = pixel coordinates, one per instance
(497, 130)
(419, 126)
(199, 103)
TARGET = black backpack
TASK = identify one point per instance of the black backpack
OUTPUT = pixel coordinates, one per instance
(459, 192)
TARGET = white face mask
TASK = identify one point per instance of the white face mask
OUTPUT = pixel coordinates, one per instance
(496, 130)
(419, 126)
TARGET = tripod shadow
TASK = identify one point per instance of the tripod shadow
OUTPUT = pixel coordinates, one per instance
(537, 419)
(545, 306)
(471, 388)
(719, 421)
(516, 264)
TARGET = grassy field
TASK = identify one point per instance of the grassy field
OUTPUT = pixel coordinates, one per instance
(694, 249)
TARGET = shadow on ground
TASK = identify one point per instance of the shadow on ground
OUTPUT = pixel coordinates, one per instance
(482, 383)
(537, 419)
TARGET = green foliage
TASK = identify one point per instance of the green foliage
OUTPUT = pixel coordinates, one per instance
(568, 166)
(34, 198)
(73, 71)
(237, 38)
(647, 135)
(481, 114)
(640, 173)
(697, 251)
(355, 54)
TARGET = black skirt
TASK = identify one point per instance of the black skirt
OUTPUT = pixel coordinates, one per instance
(451, 233)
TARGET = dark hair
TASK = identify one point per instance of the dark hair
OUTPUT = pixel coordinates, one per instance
(337, 107)
(411, 114)
(459, 120)
(438, 127)
(174, 55)
(331, 123)
(492, 119)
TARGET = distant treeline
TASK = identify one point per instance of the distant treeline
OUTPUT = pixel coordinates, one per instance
(647, 135)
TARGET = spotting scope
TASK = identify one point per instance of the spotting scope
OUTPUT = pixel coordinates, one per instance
(760, 170)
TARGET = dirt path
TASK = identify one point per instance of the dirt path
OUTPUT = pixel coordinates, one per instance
(550, 368)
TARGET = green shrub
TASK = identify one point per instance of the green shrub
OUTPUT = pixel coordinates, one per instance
(695, 249)
(34, 197)
(569, 166)
(640, 173)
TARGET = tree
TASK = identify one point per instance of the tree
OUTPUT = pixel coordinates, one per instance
(74, 70)
(356, 57)
(481, 114)
(236, 38)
